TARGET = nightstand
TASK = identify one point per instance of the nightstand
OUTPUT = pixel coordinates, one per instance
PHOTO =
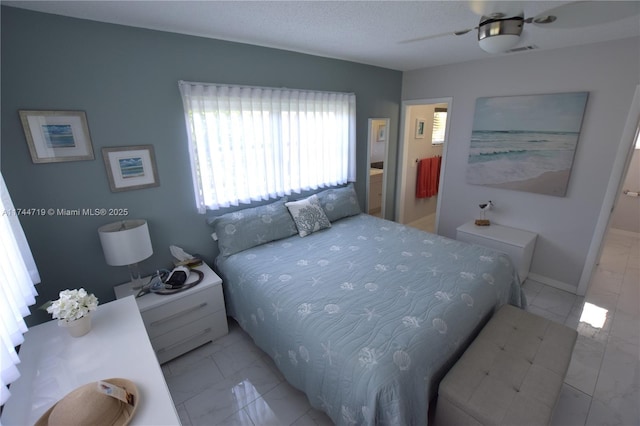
(180, 322)
(518, 244)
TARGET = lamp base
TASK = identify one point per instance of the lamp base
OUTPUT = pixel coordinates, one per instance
(136, 279)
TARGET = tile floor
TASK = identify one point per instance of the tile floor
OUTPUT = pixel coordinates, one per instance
(602, 386)
(427, 223)
(232, 382)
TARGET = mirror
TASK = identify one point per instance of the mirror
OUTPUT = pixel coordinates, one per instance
(378, 148)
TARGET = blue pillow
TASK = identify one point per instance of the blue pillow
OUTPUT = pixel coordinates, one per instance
(339, 202)
(243, 229)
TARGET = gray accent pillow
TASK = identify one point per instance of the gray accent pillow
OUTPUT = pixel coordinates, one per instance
(339, 202)
(243, 229)
(308, 215)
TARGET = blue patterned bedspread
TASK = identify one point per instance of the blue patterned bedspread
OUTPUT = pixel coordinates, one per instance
(366, 317)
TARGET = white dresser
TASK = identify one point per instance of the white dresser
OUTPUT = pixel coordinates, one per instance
(180, 322)
(518, 244)
(53, 364)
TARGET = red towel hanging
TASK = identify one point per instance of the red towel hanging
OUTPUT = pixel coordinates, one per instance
(422, 182)
(428, 178)
(435, 176)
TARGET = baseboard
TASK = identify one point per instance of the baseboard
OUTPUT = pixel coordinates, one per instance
(625, 233)
(553, 283)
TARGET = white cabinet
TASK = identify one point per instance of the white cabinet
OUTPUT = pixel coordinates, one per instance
(375, 191)
(180, 322)
(518, 244)
(52, 364)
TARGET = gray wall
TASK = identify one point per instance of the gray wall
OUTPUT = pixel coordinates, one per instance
(126, 80)
(609, 72)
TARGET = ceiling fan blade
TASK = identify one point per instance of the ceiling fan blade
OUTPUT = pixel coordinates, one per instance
(429, 37)
(586, 13)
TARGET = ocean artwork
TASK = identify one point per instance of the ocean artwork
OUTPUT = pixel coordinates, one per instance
(526, 143)
(58, 136)
(131, 167)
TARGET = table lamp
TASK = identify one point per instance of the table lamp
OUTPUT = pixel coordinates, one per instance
(126, 242)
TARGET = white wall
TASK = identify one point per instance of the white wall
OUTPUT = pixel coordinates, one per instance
(626, 215)
(609, 72)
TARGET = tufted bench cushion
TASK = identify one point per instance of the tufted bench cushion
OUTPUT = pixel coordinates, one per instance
(510, 375)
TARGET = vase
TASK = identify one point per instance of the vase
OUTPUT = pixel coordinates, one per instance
(79, 327)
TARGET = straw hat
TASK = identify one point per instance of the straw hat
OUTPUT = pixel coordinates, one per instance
(86, 405)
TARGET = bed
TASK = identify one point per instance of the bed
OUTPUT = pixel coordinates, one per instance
(365, 316)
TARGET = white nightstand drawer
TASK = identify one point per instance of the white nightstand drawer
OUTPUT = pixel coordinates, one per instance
(509, 249)
(518, 244)
(183, 311)
(190, 336)
(180, 322)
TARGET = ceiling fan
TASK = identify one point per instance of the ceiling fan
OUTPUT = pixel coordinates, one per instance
(499, 31)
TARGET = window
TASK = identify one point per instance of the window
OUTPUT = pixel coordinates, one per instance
(254, 143)
(439, 126)
(18, 274)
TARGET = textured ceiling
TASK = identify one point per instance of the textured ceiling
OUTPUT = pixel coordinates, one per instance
(370, 32)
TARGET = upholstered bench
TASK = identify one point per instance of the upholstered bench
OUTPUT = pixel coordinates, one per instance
(510, 375)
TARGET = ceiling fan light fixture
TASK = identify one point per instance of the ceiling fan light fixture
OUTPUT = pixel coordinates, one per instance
(499, 43)
(499, 35)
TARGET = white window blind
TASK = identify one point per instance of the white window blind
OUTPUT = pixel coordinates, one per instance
(439, 126)
(254, 143)
(18, 274)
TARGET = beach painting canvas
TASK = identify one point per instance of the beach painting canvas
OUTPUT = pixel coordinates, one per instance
(526, 143)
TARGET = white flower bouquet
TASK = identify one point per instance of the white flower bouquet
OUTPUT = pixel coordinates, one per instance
(73, 305)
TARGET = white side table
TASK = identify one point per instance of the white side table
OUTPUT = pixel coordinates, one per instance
(180, 322)
(518, 244)
(52, 364)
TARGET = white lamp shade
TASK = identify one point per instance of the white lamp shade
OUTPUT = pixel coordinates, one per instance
(499, 43)
(125, 242)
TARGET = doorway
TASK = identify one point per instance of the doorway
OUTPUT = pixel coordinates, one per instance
(625, 218)
(423, 138)
(620, 246)
(622, 168)
(378, 149)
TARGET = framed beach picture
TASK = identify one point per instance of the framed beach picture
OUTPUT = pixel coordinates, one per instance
(130, 167)
(420, 128)
(526, 143)
(381, 132)
(55, 136)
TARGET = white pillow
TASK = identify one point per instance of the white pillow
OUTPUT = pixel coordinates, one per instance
(308, 215)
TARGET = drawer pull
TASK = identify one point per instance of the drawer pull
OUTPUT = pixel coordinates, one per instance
(183, 341)
(178, 314)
